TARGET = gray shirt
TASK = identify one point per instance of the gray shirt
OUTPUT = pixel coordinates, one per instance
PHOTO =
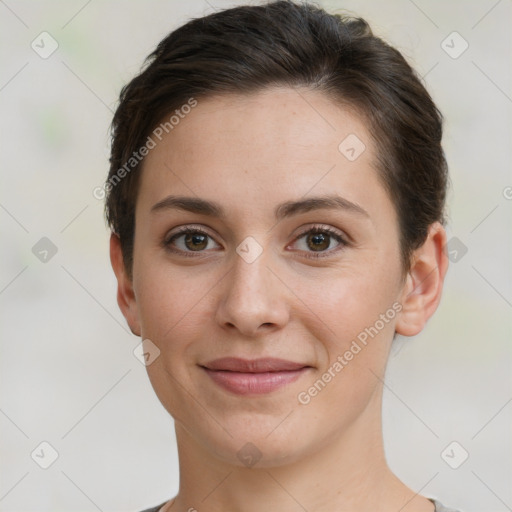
(439, 507)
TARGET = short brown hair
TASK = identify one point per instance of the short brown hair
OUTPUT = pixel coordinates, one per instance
(248, 48)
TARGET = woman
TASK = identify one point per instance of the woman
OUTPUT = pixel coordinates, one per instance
(276, 198)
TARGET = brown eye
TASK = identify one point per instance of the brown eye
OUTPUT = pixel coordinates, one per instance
(188, 240)
(320, 240)
(195, 241)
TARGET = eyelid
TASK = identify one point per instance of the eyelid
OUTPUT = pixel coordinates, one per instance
(321, 228)
(186, 229)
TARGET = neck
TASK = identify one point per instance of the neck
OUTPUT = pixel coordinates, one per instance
(348, 473)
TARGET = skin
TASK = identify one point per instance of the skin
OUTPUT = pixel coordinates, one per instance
(249, 154)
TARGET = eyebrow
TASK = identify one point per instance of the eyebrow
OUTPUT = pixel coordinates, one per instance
(284, 210)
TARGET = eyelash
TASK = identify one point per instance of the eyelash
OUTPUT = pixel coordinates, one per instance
(309, 254)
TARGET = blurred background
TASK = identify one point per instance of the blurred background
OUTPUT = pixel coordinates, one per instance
(81, 428)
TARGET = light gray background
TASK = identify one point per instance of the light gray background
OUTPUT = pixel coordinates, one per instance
(68, 373)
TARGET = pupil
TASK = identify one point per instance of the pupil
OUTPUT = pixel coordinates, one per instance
(196, 239)
(318, 238)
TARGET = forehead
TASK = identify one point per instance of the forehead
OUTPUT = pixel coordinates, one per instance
(254, 149)
(276, 120)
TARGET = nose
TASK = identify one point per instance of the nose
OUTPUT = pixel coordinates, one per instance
(253, 299)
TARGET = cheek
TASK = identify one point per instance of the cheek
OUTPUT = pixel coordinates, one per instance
(164, 306)
(354, 319)
(353, 315)
(174, 303)
(173, 316)
(341, 305)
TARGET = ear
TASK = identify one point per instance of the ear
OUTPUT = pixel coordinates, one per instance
(424, 284)
(125, 294)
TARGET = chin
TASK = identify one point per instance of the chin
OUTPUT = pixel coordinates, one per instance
(257, 453)
(257, 442)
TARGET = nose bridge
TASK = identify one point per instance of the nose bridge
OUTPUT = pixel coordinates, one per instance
(250, 275)
(252, 295)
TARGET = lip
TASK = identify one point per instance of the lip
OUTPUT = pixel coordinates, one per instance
(253, 377)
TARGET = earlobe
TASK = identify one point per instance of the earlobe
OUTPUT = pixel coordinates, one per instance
(125, 294)
(424, 285)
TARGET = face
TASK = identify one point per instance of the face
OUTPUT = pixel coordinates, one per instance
(265, 271)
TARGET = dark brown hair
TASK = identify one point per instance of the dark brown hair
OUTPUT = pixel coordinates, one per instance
(249, 48)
